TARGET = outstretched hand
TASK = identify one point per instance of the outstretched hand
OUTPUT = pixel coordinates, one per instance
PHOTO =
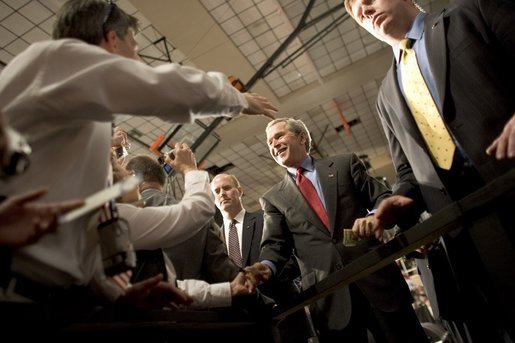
(391, 209)
(504, 145)
(240, 286)
(23, 222)
(257, 274)
(154, 293)
(259, 105)
(183, 159)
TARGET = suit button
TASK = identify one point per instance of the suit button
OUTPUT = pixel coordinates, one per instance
(335, 240)
(338, 266)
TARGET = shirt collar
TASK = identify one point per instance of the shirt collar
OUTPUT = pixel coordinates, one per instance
(307, 164)
(239, 218)
(416, 32)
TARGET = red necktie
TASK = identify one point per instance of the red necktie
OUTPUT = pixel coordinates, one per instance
(234, 244)
(310, 194)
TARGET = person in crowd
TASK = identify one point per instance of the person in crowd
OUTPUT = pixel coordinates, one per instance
(307, 212)
(63, 94)
(245, 248)
(153, 262)
(202, 256)
(438, 79)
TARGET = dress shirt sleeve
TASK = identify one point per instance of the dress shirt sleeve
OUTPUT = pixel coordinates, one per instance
(166, 226)
(207, 295)
(69, 77)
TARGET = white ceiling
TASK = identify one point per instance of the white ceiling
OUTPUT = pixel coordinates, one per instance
(334, 80)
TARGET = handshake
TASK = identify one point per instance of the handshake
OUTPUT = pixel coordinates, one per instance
(249, 278)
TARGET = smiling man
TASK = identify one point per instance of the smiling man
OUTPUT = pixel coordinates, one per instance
(313, 230)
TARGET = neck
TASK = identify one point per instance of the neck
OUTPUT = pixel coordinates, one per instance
(233, 213)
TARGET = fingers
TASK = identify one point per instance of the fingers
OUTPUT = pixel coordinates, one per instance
(28, 196)
(258, 104)
(149, 283)
(364, 227)
(504, 145)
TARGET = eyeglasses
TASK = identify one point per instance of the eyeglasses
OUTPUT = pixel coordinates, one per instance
(109, 11)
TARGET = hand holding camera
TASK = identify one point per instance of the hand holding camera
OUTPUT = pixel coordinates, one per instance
(182, 158)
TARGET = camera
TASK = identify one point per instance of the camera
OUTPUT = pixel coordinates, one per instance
(118, 253)
(17, 159)
(167, 168)
(121, 152)
(162, 160)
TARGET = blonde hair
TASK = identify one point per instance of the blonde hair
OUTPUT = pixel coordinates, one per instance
(347, 4)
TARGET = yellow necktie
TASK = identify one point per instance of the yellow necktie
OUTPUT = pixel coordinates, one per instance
(424, 110)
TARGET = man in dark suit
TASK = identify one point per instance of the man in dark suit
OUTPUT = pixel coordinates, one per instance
(380, 302)
(228, 193)
(201, 257)
(466, 56)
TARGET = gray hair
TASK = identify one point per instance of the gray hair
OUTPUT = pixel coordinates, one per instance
(296, 126)
(90, 20)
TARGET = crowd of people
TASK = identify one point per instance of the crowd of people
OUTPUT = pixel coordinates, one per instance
(64, 94)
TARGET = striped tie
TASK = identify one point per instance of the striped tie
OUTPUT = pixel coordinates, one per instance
(234, 244)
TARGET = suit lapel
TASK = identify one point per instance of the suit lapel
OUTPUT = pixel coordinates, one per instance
(436, 42)
(249, 226)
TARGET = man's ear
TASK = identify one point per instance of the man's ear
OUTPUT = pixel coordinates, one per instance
(303, 138)
(110, 42)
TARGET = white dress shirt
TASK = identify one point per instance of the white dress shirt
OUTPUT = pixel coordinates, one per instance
(63, 95)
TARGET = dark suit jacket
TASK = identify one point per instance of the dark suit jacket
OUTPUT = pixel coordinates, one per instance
(201, 257)
(471, 49)
(291, 224)
(251, 240)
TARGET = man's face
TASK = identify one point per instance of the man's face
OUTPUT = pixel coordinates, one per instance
(387, 20)
(287, 149)
(227, 194)
(126, 47)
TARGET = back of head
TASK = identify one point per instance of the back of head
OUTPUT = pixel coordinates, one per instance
(148, 169)
(90, 20)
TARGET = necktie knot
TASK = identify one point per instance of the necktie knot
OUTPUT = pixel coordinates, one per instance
(406, 43)
(300, 172)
